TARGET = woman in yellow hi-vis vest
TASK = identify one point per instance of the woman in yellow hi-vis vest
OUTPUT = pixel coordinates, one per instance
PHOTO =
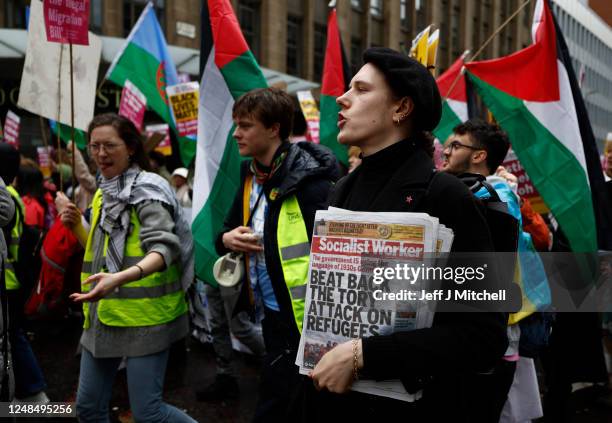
(138, 264)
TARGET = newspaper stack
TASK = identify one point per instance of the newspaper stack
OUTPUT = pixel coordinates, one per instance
(348, 250)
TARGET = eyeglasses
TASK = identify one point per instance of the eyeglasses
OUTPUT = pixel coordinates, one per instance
(453, 145)
(108, 147)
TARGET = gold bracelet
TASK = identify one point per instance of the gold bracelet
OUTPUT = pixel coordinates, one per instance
(355, 361)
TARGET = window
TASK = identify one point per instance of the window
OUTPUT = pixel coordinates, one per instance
(320, 40)
(507, 38)
(14, 14)
(95, 16)
(356, 4)
(405, 16)
(249, 18)
(476, 30)
(421, 15)
(455, 23)
(443, 46)
(376, 8)
(294, 49)
(356, 51)
(486, 18)
(132, 10)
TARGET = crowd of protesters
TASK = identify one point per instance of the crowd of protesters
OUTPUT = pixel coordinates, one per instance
(124, 226)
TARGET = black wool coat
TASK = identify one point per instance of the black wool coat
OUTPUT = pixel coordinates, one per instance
(446, 360)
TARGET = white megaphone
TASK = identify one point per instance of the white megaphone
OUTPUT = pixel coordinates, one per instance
(228, 270)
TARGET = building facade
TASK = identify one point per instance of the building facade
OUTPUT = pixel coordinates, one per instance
(589, 39)
(288, 37)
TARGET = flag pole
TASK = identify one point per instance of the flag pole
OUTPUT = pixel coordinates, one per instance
(498, 30)
(484, 45)
(72, 123)
(461, 72)
(57, 122)
(43, 133)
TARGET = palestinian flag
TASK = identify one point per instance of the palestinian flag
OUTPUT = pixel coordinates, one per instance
(454, 106)
(228, 70)
(534, 96)
(335, 82)
(145, 61)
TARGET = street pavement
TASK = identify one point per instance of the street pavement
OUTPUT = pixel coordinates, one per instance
(192, 366)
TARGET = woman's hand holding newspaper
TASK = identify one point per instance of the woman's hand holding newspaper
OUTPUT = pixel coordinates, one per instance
(337, 368)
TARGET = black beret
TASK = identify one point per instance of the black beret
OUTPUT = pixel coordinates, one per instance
(407, 77)
(9, 157)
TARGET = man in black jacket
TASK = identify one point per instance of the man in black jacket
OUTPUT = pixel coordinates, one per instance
(391, 102)
(271, 221)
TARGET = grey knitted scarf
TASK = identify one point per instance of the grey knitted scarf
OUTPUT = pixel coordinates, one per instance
(120, 194)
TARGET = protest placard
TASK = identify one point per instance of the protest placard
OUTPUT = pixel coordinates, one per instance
(45, 81)
(44, 160)
(184, 101)
(11, 129)
(133, 104)
(311, 115)
(525, 186)
(67, 21)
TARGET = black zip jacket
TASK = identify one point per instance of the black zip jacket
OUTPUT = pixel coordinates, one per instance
(308, 172)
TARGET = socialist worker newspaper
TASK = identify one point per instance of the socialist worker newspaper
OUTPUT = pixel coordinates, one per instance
(343, 297)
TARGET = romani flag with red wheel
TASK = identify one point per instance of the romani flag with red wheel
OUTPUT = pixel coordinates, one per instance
(336, 78)
(454, 107)
(228, 69)
(534, 96)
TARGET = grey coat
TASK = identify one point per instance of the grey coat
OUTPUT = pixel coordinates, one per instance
(7, 210)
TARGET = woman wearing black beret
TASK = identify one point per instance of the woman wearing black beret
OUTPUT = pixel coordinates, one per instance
(392, 101)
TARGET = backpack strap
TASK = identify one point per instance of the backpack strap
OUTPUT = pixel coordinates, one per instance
(476, 182)
(494, 202)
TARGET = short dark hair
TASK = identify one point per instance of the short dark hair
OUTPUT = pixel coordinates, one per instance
(30, 180)
(488, 136)
(127, 132)
(9, 157)
(269, 106)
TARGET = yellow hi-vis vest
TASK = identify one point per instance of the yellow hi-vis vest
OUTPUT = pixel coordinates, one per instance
(293, 249)
(152, 300)
(13, 249)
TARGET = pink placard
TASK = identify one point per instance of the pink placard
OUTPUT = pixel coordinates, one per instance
(11, 129)
(525, 186)
(313, 130)
(44, 160)
(67, 21)
(133, 104)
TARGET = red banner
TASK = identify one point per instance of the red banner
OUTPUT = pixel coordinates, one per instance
(67, 21)
(525, 186)
(11, 129)
(133, 104)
